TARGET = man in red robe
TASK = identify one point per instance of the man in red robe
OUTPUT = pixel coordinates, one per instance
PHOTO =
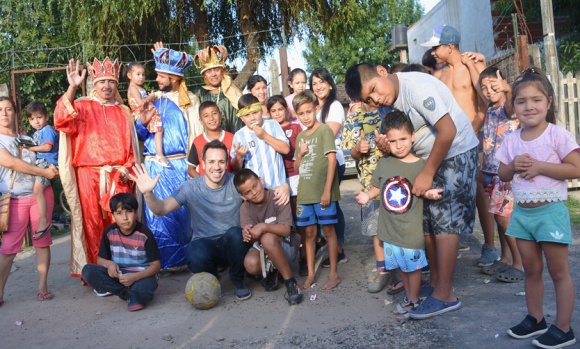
(98, 147)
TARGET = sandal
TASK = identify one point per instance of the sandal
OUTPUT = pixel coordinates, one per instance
(39, 234)
(162, 160)
(44, 296)
(496, 267)
(510, 275)
(405, 306)
(393, 289)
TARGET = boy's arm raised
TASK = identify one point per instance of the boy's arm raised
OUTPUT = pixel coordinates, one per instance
(146, 184)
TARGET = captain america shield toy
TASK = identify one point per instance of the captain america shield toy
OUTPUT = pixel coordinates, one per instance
(396, 195)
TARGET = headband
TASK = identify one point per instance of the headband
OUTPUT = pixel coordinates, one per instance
(248, 110)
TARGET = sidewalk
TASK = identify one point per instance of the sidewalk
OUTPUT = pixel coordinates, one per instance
(343, 318)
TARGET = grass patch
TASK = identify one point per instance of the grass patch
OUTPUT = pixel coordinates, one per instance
(573, 205)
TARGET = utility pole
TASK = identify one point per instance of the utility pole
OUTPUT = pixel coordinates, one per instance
(552, 66)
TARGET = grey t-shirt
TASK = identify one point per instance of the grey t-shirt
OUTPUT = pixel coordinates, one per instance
(425, 100)
(23, 183)
(213, 211)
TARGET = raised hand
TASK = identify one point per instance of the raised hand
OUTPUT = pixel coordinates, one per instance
(499, 84)
(258, 130)
(240, 150)
(382, 143)
(156, 46)
(72, 73)
(363, 145)
(145, 183)
(303, 147)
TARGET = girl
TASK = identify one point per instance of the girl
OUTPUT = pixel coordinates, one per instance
(258, 87)
(297, 84)
(330, 112)
(539, 158)
(137, 96)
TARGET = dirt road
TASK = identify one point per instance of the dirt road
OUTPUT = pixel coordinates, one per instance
(347, 317)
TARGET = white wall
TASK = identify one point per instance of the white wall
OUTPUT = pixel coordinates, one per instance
(471, 17)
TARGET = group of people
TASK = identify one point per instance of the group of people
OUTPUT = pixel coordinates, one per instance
(226, 175)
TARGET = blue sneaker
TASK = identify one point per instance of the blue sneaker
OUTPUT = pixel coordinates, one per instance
(431, 307)
(488, 256)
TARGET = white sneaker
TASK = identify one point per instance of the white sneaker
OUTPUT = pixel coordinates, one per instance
(103, 294)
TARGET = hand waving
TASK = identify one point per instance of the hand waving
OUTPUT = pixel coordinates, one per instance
(145, 183)
(72, 73)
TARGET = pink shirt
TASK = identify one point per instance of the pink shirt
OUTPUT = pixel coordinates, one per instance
(553, 145)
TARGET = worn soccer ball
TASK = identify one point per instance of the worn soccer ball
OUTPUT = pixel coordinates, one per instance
(203, 290)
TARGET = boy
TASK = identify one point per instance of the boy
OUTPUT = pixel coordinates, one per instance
(264, 221)
(46, 156)
(211, 118)
(318, 192)
(128, 260)
(400, 217)
(445, 140)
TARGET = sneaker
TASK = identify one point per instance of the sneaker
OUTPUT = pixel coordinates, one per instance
(463, 247)
(134, 305)
(378, 280)
(293, 295)
(303, 267)
(555, 338)
(341, 260)
(272, 281)
(242, 292)
(102, 293)
(431, 307)
(529, 327)
(426, 269)
(488, 256)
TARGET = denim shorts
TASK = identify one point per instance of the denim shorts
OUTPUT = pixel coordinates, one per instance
(407, 259)
(547, 223)
(309, 214)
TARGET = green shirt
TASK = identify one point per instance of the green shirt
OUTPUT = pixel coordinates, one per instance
(230, 121)
(314, 165)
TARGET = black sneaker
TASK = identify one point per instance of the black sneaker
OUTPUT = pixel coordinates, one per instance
(555, 338)
(293, 295)
(529, 327)
(341, 260)
(303, 267)
(242, 292)
(272, 281)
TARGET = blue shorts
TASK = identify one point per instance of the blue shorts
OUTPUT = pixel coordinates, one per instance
(310, 214)
(407, 259)
(548, 223)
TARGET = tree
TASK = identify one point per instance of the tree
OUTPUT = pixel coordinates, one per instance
(366, 38)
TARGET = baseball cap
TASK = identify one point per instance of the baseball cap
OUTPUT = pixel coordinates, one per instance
(443, 35)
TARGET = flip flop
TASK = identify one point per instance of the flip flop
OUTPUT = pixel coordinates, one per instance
(510, 275)
(44, 296)
(39, 234)
(496, 267)
(391, 291)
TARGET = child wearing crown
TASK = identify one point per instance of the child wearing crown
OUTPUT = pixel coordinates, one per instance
(98, 147)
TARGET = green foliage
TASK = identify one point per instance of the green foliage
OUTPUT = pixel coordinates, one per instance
(573, 205)
(364, 36)
(569, 54)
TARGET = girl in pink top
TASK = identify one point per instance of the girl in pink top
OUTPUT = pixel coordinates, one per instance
(297, 84)
(538, 159)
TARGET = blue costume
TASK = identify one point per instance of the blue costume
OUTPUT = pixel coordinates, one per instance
(180, 126)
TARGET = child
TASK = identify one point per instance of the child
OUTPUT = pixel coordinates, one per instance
(260, 144)
(400, 217)
(318, 189)
(445, 140)
(297, 84)
(46, 156)
(498, 124)
(128, 260)
(257, 86)
(137, 97)
(210, 117)
(269, 224)
(538, 158)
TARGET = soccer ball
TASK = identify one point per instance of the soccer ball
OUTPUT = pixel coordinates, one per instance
(203, 290)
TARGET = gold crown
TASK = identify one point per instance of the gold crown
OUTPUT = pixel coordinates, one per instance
(105, 70)
(211, 57)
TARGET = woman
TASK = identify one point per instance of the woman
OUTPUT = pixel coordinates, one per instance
(258, 87)
(330, 112)
(23, 208)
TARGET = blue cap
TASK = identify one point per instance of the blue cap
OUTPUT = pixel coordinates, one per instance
(171, 62)
(443, 35)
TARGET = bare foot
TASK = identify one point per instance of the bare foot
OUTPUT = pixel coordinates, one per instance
(309, 282)
(331, 283)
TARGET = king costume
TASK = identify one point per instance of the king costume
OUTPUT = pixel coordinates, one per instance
(98, 143)
(179, 113)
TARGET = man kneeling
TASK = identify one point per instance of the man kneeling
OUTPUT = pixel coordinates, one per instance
(267, 223)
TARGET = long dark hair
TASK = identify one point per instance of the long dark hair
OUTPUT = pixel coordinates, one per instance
(324, 75)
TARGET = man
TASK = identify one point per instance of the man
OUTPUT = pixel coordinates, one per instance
(178, 109)
(98, 147)
(214, 205)
(219, 88)
(461, 78)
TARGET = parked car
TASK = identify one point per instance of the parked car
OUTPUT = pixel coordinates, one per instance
(350, 164)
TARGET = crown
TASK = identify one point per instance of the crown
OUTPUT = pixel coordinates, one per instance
(211, 57)
(171, 62)
(105, 70)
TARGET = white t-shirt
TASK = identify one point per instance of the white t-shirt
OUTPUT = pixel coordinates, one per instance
(425, 100)
(335, 114)
(23, 183)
